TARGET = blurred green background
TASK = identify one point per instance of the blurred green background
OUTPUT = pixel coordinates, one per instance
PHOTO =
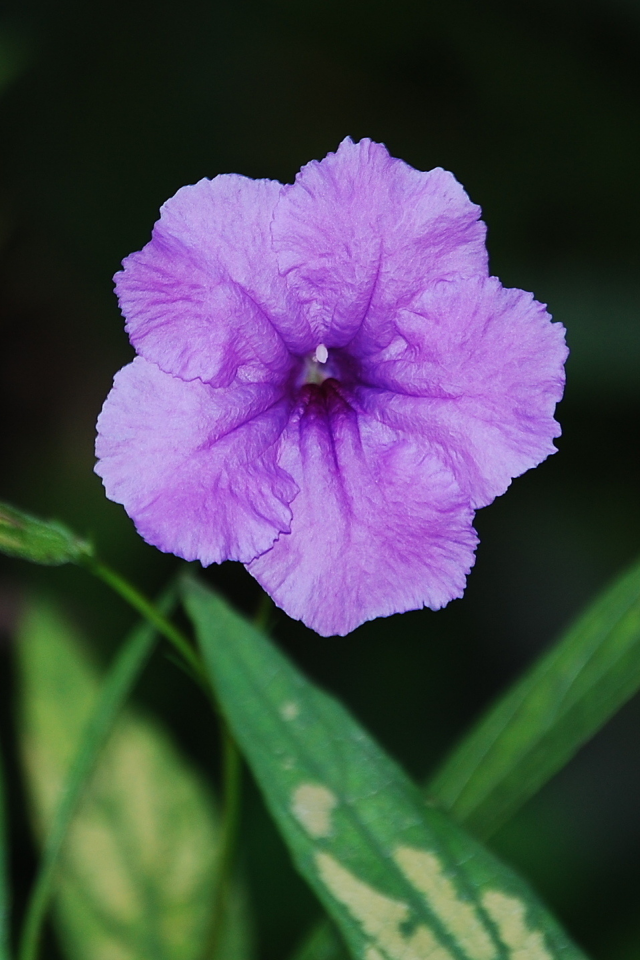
(106, 109)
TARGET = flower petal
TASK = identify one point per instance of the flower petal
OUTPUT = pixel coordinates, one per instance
(360, 232)
(477, 370)
(378, 527)
(195, 467)
(202, 297)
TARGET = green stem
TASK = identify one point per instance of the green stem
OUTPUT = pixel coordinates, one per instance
(150, 612)
(322, 942)
(231, 759)
(231, 786)
(232, 782)
(263, 612)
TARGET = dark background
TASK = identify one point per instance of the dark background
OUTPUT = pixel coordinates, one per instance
(106, 108)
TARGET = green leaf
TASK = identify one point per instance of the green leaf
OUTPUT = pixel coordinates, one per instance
(116, 687)
(136, 874)
(535, 729)
(400, 879)
(541, 722)
(40, 541)
(4, 878)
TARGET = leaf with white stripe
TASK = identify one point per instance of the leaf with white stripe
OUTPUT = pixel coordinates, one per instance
(399, 878)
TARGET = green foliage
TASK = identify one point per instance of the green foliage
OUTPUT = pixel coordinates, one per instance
(39, 541)
(399, 878)
(136, 874)
(543, 720)
(539, 724)
(114, 691)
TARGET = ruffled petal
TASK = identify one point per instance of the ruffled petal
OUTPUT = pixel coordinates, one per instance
(195, 467)
(360, 233)
(477, 370)
(204, 297)
(379, 525)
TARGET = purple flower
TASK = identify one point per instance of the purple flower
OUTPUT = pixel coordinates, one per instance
(328, 384)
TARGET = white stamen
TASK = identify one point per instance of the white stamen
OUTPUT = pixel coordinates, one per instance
(322, 354)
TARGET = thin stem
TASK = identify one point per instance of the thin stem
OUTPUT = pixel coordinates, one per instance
(231, 759)
(231, 786)
(263, 612)
(150, 612)
(322, 942)
(232, 783)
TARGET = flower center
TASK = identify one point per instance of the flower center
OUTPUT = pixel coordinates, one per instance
(316, 368)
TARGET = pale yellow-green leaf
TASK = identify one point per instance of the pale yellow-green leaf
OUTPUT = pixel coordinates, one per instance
(137, 871)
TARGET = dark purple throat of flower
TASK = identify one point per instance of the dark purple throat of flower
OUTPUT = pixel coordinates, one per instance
(345, 478)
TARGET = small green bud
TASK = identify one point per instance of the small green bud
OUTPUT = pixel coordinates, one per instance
(39, 541)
